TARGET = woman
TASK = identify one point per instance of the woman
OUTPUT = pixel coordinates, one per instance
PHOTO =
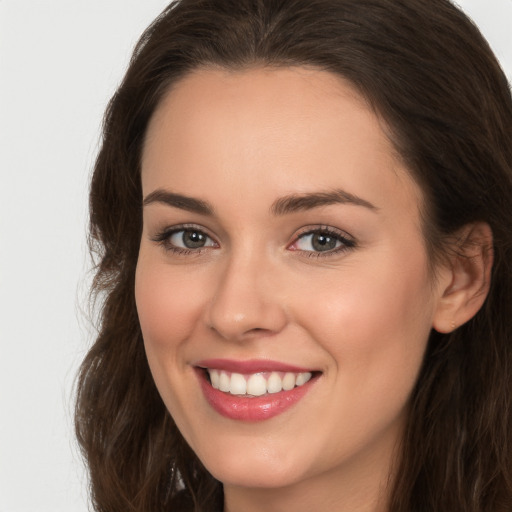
(301, 212)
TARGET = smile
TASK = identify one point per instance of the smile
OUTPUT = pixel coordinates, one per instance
(253, 390)
(256, 384)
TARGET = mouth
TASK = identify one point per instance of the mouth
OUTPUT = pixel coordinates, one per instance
(253, 390)
(255, 384)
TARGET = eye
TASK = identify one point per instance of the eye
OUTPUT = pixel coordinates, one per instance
(184, 240)
(322, 240)
(190, 239)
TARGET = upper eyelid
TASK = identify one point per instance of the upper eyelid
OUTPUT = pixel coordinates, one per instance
(163, 235)
(307, 230)
(185, 227)
(312, 228)
(163, 238)
(348, 242)
(303, 231)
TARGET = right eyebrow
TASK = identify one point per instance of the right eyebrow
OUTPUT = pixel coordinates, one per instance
(189, 204)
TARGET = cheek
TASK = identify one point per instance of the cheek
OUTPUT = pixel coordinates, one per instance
(374, 325)
(168, 304)
(373, 318)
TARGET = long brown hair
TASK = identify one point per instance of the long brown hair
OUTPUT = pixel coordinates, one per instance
(429, 73)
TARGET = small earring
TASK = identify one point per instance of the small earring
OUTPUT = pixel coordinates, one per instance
(453, 326)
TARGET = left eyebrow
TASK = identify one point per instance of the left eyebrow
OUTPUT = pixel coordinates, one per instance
(300, 202)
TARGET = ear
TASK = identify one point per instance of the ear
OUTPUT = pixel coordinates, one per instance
(465, 279)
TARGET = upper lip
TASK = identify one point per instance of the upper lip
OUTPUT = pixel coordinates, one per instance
(250, 366)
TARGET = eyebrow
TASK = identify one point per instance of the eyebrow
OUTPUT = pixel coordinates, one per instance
(282, 206)
(308, 201)
(182, 202)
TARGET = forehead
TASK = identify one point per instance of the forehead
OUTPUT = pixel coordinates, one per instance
(270, 131)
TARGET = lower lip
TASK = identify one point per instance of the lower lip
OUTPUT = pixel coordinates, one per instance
(258, 408)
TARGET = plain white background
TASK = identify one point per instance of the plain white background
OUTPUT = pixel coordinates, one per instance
(60, 61)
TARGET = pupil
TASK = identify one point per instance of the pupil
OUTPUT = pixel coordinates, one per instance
(323, 242)
(193, 239)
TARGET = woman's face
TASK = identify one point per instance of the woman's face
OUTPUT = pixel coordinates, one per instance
(282, 242)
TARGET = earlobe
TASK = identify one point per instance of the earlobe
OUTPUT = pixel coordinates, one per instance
(466, 278)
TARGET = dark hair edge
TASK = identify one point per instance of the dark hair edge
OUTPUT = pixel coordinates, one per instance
(431, 76)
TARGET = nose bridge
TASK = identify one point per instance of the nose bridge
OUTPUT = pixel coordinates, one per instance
(245, 300)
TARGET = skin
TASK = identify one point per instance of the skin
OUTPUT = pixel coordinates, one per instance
(361, 316)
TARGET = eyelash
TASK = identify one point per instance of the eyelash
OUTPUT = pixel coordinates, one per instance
(163, 238)
(346, 241)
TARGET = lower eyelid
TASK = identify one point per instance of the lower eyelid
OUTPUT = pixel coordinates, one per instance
(164, 236)
(209, 240)
(345, 240)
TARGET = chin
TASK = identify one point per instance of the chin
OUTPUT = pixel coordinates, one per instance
(256, 477)
(258, 471)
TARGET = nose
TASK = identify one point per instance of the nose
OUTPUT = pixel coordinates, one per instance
(246, 302)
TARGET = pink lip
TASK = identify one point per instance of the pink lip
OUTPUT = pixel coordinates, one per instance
(250, 409)
(249, 366)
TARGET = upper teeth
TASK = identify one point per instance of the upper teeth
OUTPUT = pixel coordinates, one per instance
(256, 384)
